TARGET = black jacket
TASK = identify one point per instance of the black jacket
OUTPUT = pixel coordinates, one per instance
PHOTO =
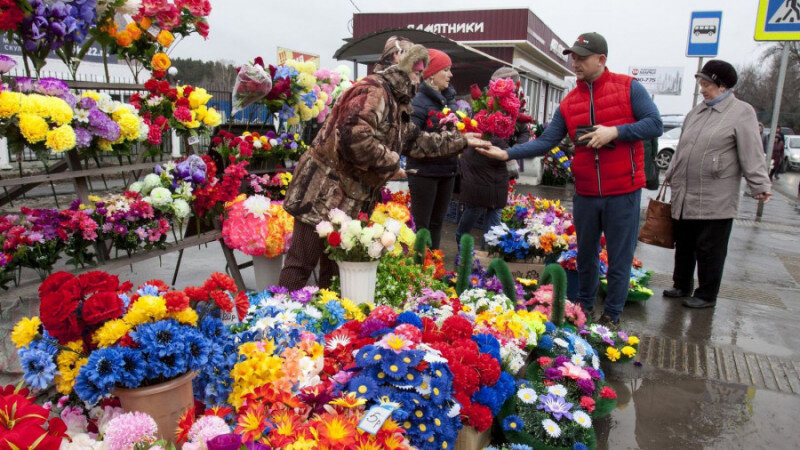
(428, 100)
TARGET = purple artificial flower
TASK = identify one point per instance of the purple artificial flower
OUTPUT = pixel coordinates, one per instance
(141, 232)
(494, 285)
(23, 84)
(549, 218)
(256, 446)
(198, 176)
(370, 326)
(103, 126)
(3, 259)
(157, 169)
(101, 211)
(593, 373)
(87, 103)
(587, 386)
(229, 441)
(584, 332)
(34, 236)
(608, 341)
(75, 205)
(83, 137)
(560, 360)
(106, 226)
(278, 290)
(622, 335)
(120, 229)
(52, 86)
(553, 374)
(555, 405)
(6, 64)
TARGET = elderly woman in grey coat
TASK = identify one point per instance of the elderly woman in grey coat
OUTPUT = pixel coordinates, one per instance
(719, 144)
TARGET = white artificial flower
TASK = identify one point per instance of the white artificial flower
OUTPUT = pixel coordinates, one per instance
(136, 186)
(81, 441)
(366, 236)
(582, 419)
(257, 205)
(577, 360)
(375, 250)
(106, 104)
(388, 240)
(144, 130)
(160, 197)
(561, 342)
(81, 115)
(150, 181)
(392, 226)
(595, 362)
(312, 312)
(552, 428)
(324, 228)
(182, 209)
(155, 100)
(557, 389)
(337, 216)
(377, 228)
(352, 226)
(348, 242)
(527, 395)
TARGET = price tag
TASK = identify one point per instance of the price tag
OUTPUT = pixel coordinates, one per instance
(374, 419)
(191, 140)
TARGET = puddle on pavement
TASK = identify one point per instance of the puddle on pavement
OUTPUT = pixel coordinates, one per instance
(660, 410)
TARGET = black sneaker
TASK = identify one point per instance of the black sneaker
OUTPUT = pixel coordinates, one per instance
(694, 302)
(676, 293)
(606, 321)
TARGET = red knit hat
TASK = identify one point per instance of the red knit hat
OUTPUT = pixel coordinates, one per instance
(438, 61)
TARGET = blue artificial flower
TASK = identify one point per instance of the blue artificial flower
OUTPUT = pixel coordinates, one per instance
(212, 328)
(580, 446)
(549, 327)
(545, 343)
(513, 423)
(285, 72)
(38, 366)
(394, 366)
(520, 447)
(286, 112)
(134, 367)
(86, 390)
(363, 386)
(125, 300)
(369, 356)
(148, 289)
(103, 367)
(488, 344)
(309, 98)
(197, 348)
(410, 318)
(163, 343)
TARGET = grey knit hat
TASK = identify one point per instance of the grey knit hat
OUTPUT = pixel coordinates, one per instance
(506, 72)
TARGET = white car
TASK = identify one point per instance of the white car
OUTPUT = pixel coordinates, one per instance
(791, 150)
(667, 144)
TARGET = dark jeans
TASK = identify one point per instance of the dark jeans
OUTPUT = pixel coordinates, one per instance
(470, 217)
(430, 197)
(703, 243)
(306, 250)
(616, 216)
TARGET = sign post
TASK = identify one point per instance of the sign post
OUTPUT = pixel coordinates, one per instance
(777, 20)
(704, 31)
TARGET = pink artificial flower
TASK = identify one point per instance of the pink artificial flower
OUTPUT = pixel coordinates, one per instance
(197, 8)
(169, 17)
(570, 370)
(129, 428)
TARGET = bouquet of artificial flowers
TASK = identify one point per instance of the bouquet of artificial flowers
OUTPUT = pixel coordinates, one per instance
(251, 85)
(496, 109)
(358, 239)
(257, 226)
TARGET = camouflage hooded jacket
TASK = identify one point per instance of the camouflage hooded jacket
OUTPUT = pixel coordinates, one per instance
(359, 146)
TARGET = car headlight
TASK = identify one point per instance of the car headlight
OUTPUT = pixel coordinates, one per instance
(795, 156)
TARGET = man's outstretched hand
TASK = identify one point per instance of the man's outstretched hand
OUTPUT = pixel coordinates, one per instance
(494, 153)
(601, 136)
(474, 140)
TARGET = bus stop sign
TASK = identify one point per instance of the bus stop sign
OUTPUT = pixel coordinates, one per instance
(704, 29)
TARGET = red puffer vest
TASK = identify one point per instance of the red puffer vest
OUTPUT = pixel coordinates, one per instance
(604, 171)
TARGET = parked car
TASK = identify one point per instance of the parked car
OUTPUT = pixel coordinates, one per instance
(791, 150)
(671, 121)
(667, 144)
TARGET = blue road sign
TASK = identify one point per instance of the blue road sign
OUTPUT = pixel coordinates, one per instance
(778, 20)
(704, 29)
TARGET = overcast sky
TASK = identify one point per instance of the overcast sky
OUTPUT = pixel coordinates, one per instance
(639, 32)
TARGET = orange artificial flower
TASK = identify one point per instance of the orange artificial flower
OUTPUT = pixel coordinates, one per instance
(160, 61)
(165, 38)
(109, 27)
(145, 23)
(134, 31)
(124, 38)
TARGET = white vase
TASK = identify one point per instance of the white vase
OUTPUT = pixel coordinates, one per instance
(267, 271)
(358, 280)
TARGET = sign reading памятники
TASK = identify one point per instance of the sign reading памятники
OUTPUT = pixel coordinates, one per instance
(658, 80)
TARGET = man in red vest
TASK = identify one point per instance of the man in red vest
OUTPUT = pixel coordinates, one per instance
(607, 115)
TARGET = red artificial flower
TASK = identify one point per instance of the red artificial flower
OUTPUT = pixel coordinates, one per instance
(54, 282)
(524, 118)
(607, 392)
(362, 216)
(222, 300)
(475, 92)
(176, 301)
(334, 239)
(184, 425)
(202, 28)
(102, 306)
(479, 416)
(500, 125)
(58, 314)
(151, 85)
(488, 368)
(503, 87)
(11, 15)
(127, 341)
(159, 74)
(242, 303)
(182, 102)
(259, 61)
(187, 90)
(457, 327)
(587, 403)
(96, 281)
(544, 361)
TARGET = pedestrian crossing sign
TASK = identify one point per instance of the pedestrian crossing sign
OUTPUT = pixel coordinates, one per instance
(778, 20)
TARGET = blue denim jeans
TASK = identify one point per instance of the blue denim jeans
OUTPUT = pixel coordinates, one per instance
(470, 217)
(616, 216)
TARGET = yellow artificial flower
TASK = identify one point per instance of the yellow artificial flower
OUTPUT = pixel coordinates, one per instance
(212, 118)
(629, 351)
(407, 236)
(306, 80)
(293, 121)
(61, 139)
(34, 104)
(33, 128)
(146, 309)
(10, 104)
(633, 340)
(94, 198)
(165, 38)
(460, 126)
(199, 97)
(527, 282)
(94, 95)
(187, 316)
(612, 354)
(104, 145)
(128, 126)
(111, 331)
(326, 295)
(25, 331)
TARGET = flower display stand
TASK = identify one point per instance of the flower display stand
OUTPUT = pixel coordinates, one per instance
(267, 271)
(358, 280)
(164, 402)
(520, 269)
(470, 439)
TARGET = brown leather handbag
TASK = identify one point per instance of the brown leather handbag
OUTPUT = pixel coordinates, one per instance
(657, 228)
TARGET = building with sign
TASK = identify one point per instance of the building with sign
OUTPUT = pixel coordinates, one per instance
(478, 42)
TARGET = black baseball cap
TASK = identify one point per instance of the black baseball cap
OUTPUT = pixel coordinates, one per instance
(589, 44)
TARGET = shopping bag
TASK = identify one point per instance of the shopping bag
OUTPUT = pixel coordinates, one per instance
(657, 228)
